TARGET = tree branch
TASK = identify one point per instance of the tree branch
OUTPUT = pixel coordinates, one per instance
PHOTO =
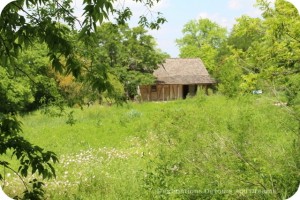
(25, 73)
(15, 172)
(22, 9)
(69, 13)
(288, 34)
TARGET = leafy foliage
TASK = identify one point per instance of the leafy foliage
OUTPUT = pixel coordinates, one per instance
(202, 39)
(230, 76)
(123, 54)
(246, 31)
(272, 56)
(23, 24)
(14, 93)
(32, 159)
(258, 54)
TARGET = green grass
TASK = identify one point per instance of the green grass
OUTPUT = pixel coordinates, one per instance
(201, 148)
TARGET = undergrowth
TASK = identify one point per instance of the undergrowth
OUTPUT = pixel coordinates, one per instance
(207, 147)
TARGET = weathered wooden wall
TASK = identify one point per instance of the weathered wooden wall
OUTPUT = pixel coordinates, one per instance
(161, 93)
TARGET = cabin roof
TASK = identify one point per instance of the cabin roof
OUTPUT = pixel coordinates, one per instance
(183, 71)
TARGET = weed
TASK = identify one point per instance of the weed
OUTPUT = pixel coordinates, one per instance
(207, 147)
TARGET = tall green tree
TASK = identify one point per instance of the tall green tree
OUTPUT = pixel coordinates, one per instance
(202, 39)
(34, 68)
(244, 43)
(230, 73)
(275, 56)
(266, 49)
(246, 31)
(127, 54)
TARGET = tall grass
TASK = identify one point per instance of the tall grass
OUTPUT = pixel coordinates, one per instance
(200, 148)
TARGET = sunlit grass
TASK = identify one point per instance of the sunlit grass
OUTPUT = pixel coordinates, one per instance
(144, 151)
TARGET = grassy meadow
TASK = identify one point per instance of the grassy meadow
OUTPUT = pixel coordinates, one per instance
(206, 147)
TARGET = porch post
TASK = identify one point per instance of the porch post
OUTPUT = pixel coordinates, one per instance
(170, 92)
(149, 92)
(163, 92)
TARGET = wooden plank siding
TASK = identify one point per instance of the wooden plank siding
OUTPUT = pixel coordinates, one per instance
(177, 78)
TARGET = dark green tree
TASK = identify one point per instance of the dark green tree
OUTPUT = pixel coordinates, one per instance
(132, 56)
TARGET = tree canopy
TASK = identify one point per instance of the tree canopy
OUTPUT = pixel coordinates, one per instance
(201, 39)
(51, 22)
(266, 50)
(258, 53)
(51, 32)
(129, 54)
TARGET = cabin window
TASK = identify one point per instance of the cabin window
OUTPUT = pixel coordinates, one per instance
(153, 88)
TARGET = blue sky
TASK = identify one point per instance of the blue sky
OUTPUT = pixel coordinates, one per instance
(179, 12)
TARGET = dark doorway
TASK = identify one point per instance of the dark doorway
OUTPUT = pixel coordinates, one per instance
(185, 91)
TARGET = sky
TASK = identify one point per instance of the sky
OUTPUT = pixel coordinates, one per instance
(180, 12)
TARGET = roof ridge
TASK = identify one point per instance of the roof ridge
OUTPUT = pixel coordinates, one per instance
(183, 71)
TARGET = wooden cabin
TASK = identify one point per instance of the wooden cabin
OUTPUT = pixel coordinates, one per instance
(176, 79)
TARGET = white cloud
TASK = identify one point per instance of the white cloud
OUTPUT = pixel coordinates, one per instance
(272, 1)
(244, 4)
(216, 17)
(203, 15)
(234, 4)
